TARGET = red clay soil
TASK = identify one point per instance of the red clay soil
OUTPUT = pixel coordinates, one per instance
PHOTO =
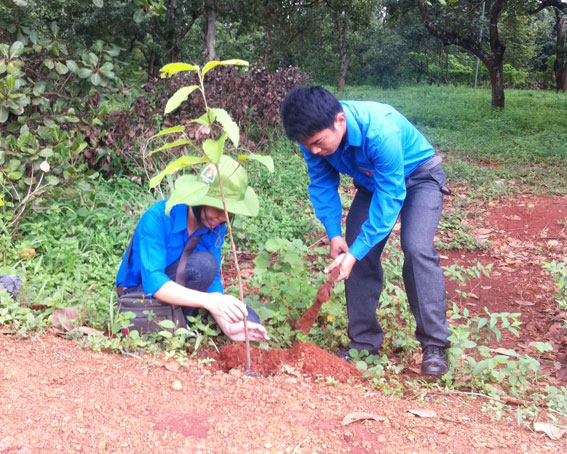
(56, 397)
(304, 359)
(522, 232)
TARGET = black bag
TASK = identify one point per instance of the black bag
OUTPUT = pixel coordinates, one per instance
(150, 311)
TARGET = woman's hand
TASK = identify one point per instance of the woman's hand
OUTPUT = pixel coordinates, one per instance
(226, 307)
(235, 331)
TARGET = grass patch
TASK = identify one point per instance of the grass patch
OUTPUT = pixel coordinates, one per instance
(523, 141)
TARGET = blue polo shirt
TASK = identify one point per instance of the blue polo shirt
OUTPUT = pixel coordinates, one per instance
(159, 241)
(382, 148)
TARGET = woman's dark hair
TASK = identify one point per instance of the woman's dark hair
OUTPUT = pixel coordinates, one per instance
(307, 110)
(197, 212)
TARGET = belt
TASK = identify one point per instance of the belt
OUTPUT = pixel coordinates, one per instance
(434, 161)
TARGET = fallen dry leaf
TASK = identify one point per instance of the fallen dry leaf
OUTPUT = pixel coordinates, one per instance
(360, 416)
(65, 318)
(553, 432)
(177, 385)
(87, 330)
(423, 413)
(172, 367)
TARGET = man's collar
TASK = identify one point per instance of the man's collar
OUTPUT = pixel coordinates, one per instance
(353, 134)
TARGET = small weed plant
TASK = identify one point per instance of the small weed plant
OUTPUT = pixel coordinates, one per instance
(285, 283)
(558, 272)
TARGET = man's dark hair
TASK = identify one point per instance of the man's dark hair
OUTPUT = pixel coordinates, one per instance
(308, 110)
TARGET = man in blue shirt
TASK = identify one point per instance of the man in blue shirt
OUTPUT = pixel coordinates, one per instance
(396, 174)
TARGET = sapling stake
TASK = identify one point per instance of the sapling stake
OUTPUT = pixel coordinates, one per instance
(238, 274)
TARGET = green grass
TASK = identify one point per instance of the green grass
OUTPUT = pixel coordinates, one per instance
(525, 140)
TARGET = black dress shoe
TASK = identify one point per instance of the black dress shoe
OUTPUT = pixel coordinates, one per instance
(434, 361)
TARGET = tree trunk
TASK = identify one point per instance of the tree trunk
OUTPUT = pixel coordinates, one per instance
(342, 23)
(210, 30)
(268, 48)
(560, 65)
(344, 68)
(496, 72)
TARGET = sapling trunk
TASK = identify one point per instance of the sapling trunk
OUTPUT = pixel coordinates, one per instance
(238, 274)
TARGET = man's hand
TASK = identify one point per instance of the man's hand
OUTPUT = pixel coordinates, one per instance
(345, 262)
(227, 308)
(235, 331)
(338, 246)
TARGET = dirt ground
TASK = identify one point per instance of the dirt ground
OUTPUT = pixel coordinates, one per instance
(57, 397)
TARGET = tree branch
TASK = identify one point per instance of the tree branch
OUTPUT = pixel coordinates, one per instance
(451, 37)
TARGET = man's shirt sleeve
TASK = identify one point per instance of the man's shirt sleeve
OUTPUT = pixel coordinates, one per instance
(323, 191)
(386, 156)
(152, 246)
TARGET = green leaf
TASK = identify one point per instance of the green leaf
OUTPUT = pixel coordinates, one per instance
(48, 62)
(166, 334)
(5, 50)
(188, 190)
(179, 128)
(262, 260)
(54, 28)
(178, 97)
(166, 324)
(273, 244)
(96, 79)
(206, 119)
(72, 65)
(14, 176)
(169, 145)
(98, 3)
(213, 148)
(139, 16)
(61, 68)
(544, 347)
(228, 125)
(93, 59)
(266, 160)
(16, 49)
(361, 365)
(234, 62)
(3, 114)
(178, 164)
(85, 73)
(174, 68)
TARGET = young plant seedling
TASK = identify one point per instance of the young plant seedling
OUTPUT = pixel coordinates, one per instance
(210, 152)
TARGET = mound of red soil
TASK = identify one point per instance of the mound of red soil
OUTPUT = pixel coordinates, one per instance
(307, 359)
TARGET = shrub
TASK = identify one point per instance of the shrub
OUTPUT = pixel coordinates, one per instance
(54, 106)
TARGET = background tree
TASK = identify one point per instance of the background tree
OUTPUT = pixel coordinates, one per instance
(458, 23)
(560, 64)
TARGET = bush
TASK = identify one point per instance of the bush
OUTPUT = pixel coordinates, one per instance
(252, 96)
(54, 108)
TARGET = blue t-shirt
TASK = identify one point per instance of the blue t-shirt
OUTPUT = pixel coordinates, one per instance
(159, 241)
(382, 148)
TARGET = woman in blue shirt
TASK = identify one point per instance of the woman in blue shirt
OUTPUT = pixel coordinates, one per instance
(150, 264)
